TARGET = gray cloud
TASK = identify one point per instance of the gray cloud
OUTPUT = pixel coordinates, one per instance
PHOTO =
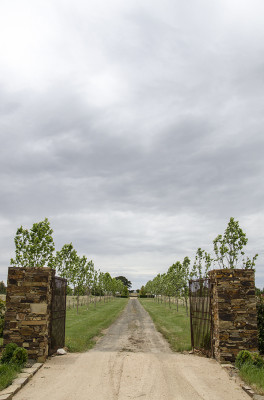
(135, 128)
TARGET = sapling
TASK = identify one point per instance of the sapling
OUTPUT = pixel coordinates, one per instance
(228, 248)
(34, 247)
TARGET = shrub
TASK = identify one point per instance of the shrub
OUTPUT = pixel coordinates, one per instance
(8, 353)
(20, 356)
(257, 360)
(243, 357)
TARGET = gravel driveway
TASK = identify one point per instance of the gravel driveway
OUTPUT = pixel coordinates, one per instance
(132, 361)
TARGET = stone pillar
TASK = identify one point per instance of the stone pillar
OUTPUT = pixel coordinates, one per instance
(28, 310)
(234, 316)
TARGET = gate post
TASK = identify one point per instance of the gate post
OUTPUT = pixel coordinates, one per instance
(234, 316)
(28, 310)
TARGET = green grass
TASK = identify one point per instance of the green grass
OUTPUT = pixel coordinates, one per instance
(82, 328)
(8, 373)
(175, 326)
(253, 376)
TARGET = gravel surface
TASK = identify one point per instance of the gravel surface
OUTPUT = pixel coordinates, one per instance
(132, 361)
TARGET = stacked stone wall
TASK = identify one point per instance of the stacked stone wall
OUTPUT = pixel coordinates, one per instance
(28, 310)
(233, 313)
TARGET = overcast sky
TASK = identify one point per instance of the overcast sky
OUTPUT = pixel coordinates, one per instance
(134, 126)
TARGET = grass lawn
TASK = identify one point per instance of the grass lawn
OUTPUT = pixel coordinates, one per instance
(175, 326)
(83, 327)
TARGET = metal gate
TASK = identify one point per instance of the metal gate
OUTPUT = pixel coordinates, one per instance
(58, 314)
(200, 315)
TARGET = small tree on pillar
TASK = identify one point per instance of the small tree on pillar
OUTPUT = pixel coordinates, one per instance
(34, 247)
(229, 248)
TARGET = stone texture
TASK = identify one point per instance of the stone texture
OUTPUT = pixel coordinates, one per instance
(234, 316)
(29, 371)
(248, 390)
(28, 310)
(12, 389)
(32, 370)
(6, 396)
(20, 381)
(40, 308)
(37, 366)
(25, 375)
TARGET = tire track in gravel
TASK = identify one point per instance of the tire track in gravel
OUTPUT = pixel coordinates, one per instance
(132, 361)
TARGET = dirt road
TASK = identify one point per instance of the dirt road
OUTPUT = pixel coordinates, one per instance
(132, 361)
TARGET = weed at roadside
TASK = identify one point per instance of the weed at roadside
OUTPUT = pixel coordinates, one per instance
(12, 361)
(8, 373)
(251, 369)
(253, 376)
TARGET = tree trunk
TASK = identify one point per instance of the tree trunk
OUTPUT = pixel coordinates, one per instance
(186, 305)
(77, 304)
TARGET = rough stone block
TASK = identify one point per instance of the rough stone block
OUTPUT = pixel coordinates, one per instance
(42, 358)
(24, 375)
(30, 323)
(26, 331)
(6, 396)
(255, 397)
(20, 381)
(226, 325)
(31, 371)
(39, 308)
(12, 389)
(15, 299)
(37, 365)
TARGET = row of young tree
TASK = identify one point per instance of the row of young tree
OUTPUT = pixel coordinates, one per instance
(36, 248)
(228, 253)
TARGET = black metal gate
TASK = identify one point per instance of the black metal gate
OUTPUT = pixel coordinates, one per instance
(58, 314)
(200, 291)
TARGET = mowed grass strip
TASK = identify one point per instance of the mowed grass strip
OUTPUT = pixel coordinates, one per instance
(175, 326)
(82, 328)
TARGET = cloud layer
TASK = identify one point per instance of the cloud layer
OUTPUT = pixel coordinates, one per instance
(136, 128)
